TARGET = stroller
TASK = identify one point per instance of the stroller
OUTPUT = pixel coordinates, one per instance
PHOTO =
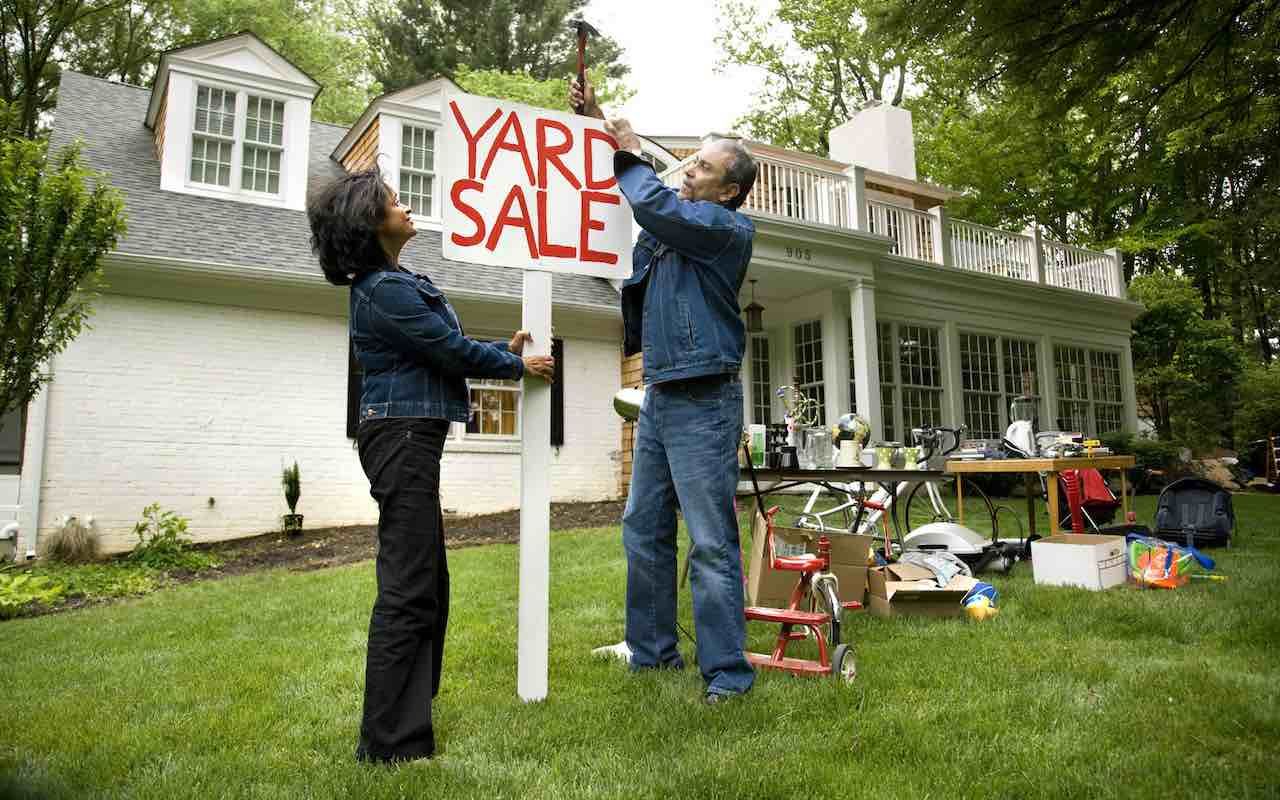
(1089, 499)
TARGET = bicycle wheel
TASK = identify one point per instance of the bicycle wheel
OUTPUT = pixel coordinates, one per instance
(829, 601)
(924, 507)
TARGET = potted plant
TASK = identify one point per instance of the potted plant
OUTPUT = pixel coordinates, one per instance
(291, 480)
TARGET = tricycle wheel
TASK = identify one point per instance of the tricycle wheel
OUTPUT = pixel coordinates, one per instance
(843, 664)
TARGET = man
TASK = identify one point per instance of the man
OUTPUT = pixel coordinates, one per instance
(680, 309)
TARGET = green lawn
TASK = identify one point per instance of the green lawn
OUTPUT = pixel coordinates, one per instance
(250, 688)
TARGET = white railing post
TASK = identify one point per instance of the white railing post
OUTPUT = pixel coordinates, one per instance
(1118, 289)
(941, 235)
(858, 202)
(1037, 254)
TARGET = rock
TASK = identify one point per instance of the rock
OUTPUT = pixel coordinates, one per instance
(1216, 470)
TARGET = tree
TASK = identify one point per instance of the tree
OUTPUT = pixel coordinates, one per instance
(822, 61)
(1186, 367)
(417, 40)
(31, 32)
(551, 93)
(54, 229)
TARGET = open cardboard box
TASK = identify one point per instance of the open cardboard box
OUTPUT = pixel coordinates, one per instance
(898, 589)
(770, 588)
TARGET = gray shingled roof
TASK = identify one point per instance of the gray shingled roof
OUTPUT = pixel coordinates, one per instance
(108, 117)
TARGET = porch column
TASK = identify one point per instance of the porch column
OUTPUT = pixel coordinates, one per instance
(952, 379)
(1130, 389)
(1048, 384)
(1037, 253)
(858, 199)
(835, 360)
(866, 362)
(1118, 289)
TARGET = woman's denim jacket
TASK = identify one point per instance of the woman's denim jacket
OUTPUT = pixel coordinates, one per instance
(412, 349)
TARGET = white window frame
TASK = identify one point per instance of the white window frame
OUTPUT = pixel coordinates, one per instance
(761, 398)
(894, 412)
(1092, 400)
(432, 175)
(458, 431)
(238, 143)
(1003, 395)
(268, 146)
(796, 364)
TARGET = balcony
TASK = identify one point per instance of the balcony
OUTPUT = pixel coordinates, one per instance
(793, 188)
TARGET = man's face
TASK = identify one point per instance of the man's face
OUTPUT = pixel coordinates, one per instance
(704, 178)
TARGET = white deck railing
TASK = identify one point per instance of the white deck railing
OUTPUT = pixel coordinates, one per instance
(981, 249)
(799, 191)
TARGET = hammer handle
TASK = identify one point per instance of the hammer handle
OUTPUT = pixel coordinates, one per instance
(582, 69)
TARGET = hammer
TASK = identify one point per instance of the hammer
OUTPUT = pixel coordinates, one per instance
(582, 27)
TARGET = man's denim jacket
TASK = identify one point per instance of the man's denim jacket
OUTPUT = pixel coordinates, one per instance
(680, 305)
(415, 356)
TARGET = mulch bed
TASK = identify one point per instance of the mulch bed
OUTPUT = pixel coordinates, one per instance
(331, 547)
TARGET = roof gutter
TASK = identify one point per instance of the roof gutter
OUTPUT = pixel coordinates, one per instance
(33, 472)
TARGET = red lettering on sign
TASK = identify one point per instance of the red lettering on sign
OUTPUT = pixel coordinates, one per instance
(551, 154)
(472, 139)
(548, 249)
(521, 221)
(589, 224)
(591, 136)
(455, 196)
(512, 125)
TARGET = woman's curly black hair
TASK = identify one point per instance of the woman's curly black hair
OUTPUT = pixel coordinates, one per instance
(345, 216)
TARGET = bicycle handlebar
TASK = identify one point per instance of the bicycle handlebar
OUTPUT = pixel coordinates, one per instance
(927, 438)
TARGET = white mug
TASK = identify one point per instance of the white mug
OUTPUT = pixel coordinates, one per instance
(850, 454)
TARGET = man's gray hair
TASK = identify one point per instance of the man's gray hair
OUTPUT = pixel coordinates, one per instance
(741, 169)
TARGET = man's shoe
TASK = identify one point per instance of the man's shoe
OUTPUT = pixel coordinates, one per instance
(619, 651)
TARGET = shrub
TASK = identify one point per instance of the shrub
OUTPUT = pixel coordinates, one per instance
(20, 592)
(72, 543)
(163, 543)
(291, 481)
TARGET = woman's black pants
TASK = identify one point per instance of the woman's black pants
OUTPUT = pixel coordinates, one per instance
(401, 457)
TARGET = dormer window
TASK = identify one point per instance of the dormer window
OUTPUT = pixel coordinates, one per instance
(222, 149)
(417, 169)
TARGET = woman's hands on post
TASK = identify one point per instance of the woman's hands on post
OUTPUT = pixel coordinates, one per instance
(584, 97)
(539, 366)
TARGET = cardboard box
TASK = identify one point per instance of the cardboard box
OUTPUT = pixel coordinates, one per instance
(770, 588)
(899, 589)
(1080, 559)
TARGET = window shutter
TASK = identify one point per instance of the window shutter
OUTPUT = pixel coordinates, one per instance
(11, 437)
(355, 381)
(557, 394)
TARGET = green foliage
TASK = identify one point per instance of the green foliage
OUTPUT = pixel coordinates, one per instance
(71, 543)
(1185, 366)
(163, 543)
(552, 93)
(822, 62)
(1258, 413)
(291, 481)
(57, 220)
(1148, 453)
(20, 591)
(417, 40)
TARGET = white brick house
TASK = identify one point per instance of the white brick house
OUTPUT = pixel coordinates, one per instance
(218, 353)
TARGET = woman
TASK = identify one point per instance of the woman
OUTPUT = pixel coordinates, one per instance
(416, 360)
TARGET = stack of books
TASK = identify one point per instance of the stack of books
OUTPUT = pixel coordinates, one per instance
(978, 450)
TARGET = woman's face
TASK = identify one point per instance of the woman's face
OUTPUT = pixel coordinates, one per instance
(397, 225)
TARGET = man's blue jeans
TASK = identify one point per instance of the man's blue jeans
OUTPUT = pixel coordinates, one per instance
(686, 454)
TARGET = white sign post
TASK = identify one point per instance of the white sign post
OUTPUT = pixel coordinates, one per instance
(532, 189)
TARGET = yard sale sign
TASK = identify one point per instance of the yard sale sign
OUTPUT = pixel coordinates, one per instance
(531, 188)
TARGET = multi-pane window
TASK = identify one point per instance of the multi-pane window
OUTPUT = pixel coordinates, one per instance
(214, 136)
(808, 365)
(910, 378)
(853, 375)
(888, 386)
(1108, 399)
(219, 142)
(263, 145)
(761, 382)
(417, 168)
(1072, 380)
(920, 368)
(980, 381)
(993, 371)
(495, 408)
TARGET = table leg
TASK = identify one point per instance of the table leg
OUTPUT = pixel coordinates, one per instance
(1051, 481)
(960, 497)
(1124, 494)
(1029, 480)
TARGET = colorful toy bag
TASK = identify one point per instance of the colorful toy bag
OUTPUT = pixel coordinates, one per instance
(1153, 562)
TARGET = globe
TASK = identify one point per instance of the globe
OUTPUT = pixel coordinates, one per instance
(852, 427)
